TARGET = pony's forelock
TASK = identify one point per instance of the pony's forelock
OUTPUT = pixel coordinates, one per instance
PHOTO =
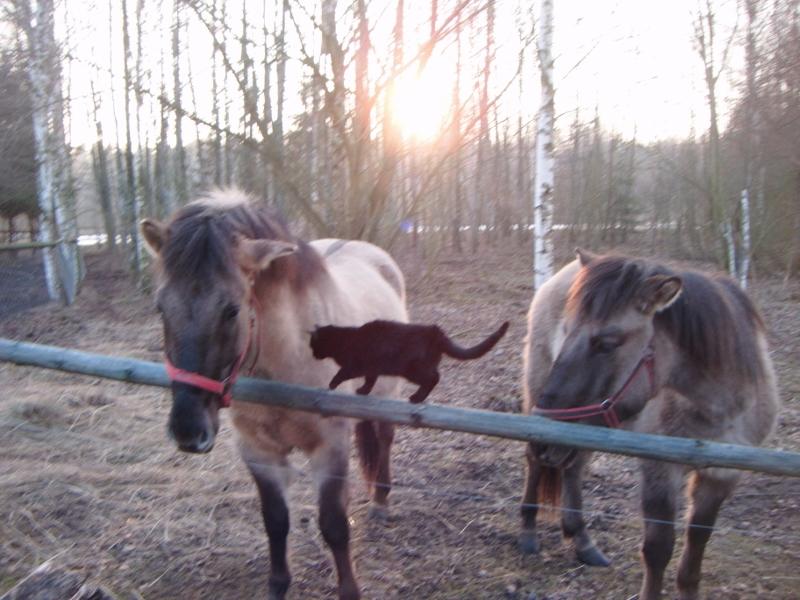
(201, 238)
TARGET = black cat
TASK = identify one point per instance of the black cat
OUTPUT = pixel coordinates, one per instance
(391, 348)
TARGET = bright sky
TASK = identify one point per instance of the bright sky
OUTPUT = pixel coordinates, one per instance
(634, 60)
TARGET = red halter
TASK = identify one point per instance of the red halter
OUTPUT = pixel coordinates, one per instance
(606, 407)
(220, 387)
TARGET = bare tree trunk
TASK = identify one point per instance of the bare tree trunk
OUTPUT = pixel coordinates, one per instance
(100, 167)
(62, 271)
(215, 91)
(705, 40)
(277, 130)
(458, 190)
(268, 187)
(483, 136)
(543, 184)
(132, 201)
(180, 154)
(751, 143)
(360, 166)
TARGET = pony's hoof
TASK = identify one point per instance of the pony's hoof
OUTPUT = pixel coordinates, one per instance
(593, 557)
(378, 513)
(528, 543)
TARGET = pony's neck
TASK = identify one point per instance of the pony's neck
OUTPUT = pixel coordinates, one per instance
(285, 318)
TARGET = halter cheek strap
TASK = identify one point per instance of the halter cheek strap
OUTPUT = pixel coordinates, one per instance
(220, 387)
(606, 407)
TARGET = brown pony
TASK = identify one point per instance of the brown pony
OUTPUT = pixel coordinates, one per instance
(236, 288)
(676, 353)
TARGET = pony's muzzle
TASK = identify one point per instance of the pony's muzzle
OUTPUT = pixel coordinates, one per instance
(190, 425)
(199, 442)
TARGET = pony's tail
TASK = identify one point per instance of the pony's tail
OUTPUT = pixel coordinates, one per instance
(548, 492)
(368, 450)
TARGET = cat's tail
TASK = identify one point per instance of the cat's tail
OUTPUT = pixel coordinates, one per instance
(452, 349)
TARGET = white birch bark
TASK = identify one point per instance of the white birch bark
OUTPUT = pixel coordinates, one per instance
(744, 266)
(57, 219)
(44, 171)
(543, 182)
(727, 234)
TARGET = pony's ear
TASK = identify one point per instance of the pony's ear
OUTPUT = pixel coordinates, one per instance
(155, 234)
(257, 255)
(659, 292)
(584, 256)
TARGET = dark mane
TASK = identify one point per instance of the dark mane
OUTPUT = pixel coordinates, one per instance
(712, 321)
(200, 239)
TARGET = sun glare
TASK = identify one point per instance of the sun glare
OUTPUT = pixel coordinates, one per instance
(422, 100)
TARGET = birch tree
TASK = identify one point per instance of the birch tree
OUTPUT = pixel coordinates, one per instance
(132, 196)
(57, 215)
(544, 163)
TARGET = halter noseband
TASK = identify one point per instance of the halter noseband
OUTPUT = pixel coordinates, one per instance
(220, 387)
(606, 407)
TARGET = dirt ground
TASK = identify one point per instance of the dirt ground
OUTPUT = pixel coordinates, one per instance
(89, 479)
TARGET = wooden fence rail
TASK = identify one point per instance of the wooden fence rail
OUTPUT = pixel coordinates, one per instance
(697, 453)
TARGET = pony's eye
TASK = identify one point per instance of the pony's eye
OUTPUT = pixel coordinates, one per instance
(231, 312)
(604, 344)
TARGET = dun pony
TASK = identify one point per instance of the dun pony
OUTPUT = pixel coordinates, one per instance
(627, 342)
(237, 289)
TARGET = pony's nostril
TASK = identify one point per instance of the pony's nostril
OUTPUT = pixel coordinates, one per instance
(205, 442)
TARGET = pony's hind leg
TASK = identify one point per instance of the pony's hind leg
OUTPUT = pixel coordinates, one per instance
(383, 474)
(329, 465)
(573, 525)
(660, 485)
(271, 478)
(528, 540)
(707, 491)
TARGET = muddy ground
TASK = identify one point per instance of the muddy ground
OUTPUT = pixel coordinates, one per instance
(89, 479)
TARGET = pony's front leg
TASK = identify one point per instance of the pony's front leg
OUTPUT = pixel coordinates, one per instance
(573, 525)
(271, 477)
(660, 485)
(329, 464)
(707, 491)
(528, 540)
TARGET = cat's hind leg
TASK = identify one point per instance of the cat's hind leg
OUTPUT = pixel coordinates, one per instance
(369, 383)
(426, 386)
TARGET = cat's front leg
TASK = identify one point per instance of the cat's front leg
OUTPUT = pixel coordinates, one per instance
(343, 375)
(369, 383)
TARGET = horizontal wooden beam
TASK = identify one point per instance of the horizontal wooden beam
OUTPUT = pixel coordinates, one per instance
(32, 245)
(697, 453)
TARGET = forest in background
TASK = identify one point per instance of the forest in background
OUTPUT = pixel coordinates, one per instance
(306, 106)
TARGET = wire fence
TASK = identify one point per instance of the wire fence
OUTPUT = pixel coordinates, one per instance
(496, 503)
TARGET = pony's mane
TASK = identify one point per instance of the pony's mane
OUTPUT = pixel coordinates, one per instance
(200, 238)
(712, 320)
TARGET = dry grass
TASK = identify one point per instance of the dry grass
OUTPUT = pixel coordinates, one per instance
(88, 477)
